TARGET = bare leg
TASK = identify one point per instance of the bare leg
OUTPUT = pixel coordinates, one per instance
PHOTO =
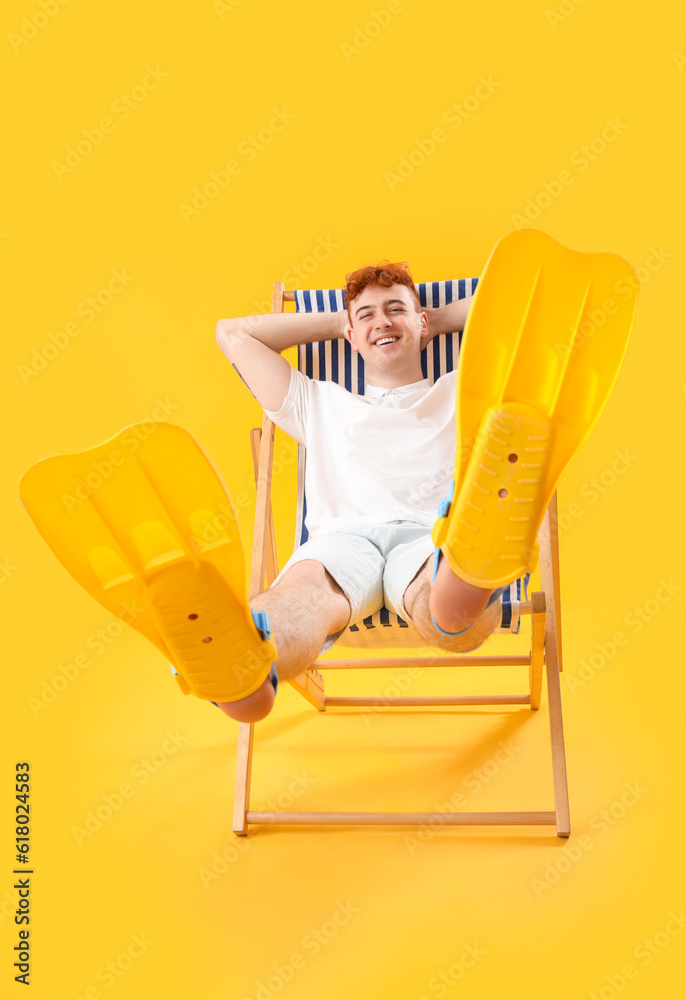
(304, 607)
(454, 604)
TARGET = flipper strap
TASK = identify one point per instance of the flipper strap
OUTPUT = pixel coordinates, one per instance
(261, 620)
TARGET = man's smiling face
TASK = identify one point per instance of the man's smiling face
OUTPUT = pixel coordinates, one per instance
(387, 329)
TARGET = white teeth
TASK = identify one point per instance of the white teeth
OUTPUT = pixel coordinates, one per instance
(386, 340)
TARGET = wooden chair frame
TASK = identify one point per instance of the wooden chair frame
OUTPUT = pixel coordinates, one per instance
(546, 650)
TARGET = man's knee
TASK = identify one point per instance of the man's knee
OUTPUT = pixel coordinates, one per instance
(309, 581)
(309, 573)
(305, 602)
(467, 641)
(421, 581)
(463, 643)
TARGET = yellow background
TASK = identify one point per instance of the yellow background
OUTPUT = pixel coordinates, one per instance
(413, 907)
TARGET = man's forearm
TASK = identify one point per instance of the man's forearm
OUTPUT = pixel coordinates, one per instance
(279, 331)
(448, 319)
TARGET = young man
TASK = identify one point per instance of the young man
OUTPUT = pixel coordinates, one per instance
(377, 467)
(533, 384)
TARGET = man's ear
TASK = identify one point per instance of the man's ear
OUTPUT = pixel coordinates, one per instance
(424, 332)
(351, 338)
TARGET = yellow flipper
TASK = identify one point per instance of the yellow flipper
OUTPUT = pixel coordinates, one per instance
(542, 347)
(144, 523)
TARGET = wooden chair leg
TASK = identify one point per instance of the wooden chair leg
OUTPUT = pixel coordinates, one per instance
(555, 567)
(537, 648)
(310, 684)
(557, 739)
(261, 541)
(552, 663)
(241, 797)
(272, 569)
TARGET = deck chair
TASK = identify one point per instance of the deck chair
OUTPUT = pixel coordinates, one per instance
(335, 360)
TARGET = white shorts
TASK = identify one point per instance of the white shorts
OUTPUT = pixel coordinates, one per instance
(373, 564)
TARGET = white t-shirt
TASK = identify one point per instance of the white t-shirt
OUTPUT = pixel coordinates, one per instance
(386, 456)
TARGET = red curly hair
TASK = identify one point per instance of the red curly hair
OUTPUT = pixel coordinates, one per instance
(385, 274)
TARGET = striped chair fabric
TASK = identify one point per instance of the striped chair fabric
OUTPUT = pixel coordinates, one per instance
(335, 360)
